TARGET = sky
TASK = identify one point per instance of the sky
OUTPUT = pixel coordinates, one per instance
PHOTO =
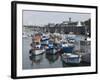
(43, 17)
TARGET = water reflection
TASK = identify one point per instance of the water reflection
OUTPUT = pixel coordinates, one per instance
(75, 65)
(51, 58)
(36, 59)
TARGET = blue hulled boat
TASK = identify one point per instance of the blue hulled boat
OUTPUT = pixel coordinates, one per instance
(51, 48)
(67, 48)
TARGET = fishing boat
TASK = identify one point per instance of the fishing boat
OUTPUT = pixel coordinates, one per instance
(71, 58)
(71, 40)
(37, 48)
(66, 47)
(36, 38)
(44, 37)
(36, 59)
(38, 51)
(44, 42)
(50, 49)
(71, 35)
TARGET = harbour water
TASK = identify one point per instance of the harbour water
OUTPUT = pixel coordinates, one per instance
(45, 60)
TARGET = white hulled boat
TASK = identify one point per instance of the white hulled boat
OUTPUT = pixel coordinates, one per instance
(71, 58)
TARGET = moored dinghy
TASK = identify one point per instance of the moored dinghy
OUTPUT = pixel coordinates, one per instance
(71, 58)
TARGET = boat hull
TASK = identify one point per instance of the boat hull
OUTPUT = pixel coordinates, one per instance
(71, 59)
(67, 49)
(38, 52)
